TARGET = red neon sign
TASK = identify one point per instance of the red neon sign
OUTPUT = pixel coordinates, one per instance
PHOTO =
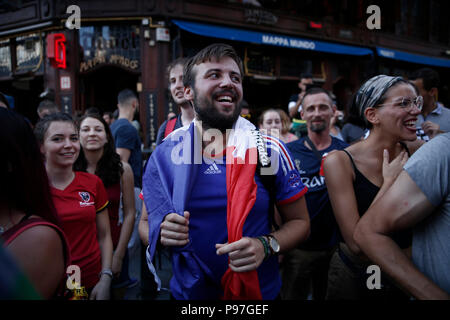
(315, 25)
(56, 50)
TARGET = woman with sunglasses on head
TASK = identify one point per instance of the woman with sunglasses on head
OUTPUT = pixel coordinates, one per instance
(358, 175)
(98, 156)
(80, 200)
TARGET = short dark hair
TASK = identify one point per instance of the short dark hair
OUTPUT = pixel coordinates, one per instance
(213, 51)
(317, 90)
(125, 96)
(429, 77)
(42, 126)
(179, 61)
(47, 105)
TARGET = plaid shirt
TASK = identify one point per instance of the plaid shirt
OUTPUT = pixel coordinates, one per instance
(422, 135)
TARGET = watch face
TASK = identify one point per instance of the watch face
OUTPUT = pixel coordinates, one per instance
(274, 245)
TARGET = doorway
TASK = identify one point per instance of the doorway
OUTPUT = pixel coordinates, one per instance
(100, 88)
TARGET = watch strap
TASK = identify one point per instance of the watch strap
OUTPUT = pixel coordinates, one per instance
(266, 246)
(107, 272)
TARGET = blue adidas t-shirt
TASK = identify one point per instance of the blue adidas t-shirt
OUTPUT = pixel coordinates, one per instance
(208, 218)
(324, 229)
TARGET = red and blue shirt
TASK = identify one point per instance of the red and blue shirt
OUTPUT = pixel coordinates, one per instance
(208, 216)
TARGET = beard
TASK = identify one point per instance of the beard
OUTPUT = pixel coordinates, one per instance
(211, 117)
(317, 128)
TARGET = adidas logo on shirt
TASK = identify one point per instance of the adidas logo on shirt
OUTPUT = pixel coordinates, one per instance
(213, 169)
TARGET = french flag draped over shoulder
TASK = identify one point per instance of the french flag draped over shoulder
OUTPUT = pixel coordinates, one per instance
(242, 159)
(167, 182)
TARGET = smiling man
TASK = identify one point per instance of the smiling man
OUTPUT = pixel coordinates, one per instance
(207, 198)
(176, 87)
(307, 265)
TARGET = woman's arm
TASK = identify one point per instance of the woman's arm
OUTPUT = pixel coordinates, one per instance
(129, 212)
(339, 177)
(101, 289)
(143, 225)
(39, 252)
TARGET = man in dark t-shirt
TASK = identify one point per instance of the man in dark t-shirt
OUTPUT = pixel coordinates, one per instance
(126, 137)
(309, 262)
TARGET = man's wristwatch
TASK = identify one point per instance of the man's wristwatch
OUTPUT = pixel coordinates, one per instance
(274, 246)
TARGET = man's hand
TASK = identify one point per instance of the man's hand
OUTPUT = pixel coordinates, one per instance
(245, 254)
(431, 129)
(175, 230)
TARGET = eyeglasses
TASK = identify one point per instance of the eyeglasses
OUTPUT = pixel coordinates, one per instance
(407, 104)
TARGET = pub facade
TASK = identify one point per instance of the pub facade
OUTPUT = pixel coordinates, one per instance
(82, 53)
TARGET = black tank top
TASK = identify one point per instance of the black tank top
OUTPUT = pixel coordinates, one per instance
(365, 193)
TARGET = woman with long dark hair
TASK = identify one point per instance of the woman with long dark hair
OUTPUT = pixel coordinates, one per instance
(80, 200)
(98, 156)
(29, 226)
(358, 175)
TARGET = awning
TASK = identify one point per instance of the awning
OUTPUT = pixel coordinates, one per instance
(411, 57)
(215, 31)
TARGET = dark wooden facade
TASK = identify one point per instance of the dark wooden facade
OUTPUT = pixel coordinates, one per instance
(149, 79)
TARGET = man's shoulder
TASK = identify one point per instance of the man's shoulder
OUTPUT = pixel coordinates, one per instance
(338, 144)
(174, 138)
(445, 112)
(123, 126)
(429, 153)
(297, 145)
(119, 123)
(438, 142)
(273, 142)
(163, 125)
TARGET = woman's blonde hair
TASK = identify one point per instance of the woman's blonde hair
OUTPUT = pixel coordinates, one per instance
(285, 121)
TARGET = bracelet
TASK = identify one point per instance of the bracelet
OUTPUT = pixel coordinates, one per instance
(266, 247)
(108, 272)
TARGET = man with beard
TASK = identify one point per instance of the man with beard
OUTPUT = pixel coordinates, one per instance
(176, 87)
(205, 196)
(306, 266)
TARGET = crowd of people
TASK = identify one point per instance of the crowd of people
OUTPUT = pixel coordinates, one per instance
(291, 205)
